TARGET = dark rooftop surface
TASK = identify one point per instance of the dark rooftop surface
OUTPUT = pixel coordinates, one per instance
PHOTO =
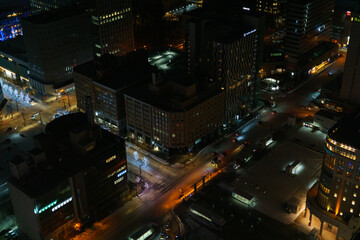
(74, 122)
(53, 16)
(347, 130)
(40, 182)
(329, 114)
(14, 47)
(117, 72)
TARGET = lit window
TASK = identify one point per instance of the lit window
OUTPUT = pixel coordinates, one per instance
(355, 195)
(341, 213)
(353, 202)
(356, 186)
(110, 159)
(351, 210)
(344, 199)
(335, 194)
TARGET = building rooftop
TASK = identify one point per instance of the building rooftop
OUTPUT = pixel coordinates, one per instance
(14, 48)
(53, 16)
(347, 130)
(117, 72)
(329, 114)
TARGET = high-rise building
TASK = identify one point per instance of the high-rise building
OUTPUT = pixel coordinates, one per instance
(172, 112)
(112, 27)
(56, 42)
(334, 200)
(104, 80)
(268, 6)
(39, 6)
(227, 53)
(76, 173)
(308, 26)
(350, 87)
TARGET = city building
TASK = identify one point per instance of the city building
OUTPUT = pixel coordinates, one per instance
(342, 21)
(173, 113)
(77, 173)
(350, 85)
(39, 6)
(112, 27)
(334, 199)
(324, 119)
(268, 6)
(10, 26)
(308, 26)
(111, 22)
(103, 82)
(214, 48)
(14, 65)
(55, 42)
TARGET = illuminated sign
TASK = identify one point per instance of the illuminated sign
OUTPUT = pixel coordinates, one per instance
(36, 211)
(118, 180)
(246, 8)
(199, 214)
(252, 31)
(355, 19)
(268, 142)
(110, 159)
(120, 169)
(121, 173)
(61, 204)
(348, 13)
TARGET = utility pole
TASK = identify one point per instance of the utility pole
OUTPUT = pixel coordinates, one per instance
(23, 115)
(40, 118)
(68, 99)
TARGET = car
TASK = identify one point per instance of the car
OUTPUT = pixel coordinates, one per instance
(259, 123)
(236, 134)
(162, 236)
(234, 140)
(223, 154)
(35, 114)
(167, 227)
(245, 143)
(32, 117)
(274, 112)
(214, 153)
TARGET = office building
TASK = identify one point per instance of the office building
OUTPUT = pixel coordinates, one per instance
(227, 53)
(334, 200)
(350, 86)
(308, 26)
(173, 113)
(111, 22)
(76, 173)
(112, 27)
(14, 65)
(2, 99)
(55, 42)
(10, 26)
(268, 6)
(104, 80)
(39, 6)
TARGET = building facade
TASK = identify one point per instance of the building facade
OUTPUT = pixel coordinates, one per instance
(234, 60)
(104, 80)
(77, 173)
(54, 45)
(350, 84)
(112, 27)
(308, 26)
(335, 198)
(173, 116)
